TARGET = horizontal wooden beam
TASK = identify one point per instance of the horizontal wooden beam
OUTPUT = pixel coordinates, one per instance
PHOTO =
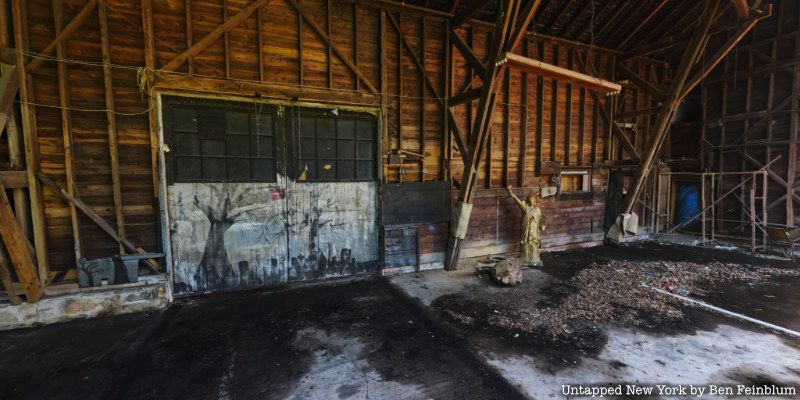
(237, 88)
(537, 67)
(64, 35)
(14, 179)
(212, 37)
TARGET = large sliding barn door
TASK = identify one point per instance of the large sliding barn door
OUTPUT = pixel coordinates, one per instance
(242, 211)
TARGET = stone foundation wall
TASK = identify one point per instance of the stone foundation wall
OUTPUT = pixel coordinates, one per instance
(86, 303)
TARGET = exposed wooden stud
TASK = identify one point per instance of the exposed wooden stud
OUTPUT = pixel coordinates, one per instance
(554, 105)
(212, 37)
(356, 82)
(539, 113)
(260, 30)
(325, 38)
(66, 125)
(31, 141)
(105, 226)
(673, 100)
(422, 83)
(523, 127)
(116, 184)
(506, 125)
(152, 115)
(467, 53)
(568, 113)
(63, 35)
(225, 42)
(188, 12)
(329, 54)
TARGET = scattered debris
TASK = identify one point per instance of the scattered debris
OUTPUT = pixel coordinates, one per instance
(508, 272)
(611, 291)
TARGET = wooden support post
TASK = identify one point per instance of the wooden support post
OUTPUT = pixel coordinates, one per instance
(481, 127)
(672, 101)
(523, 121)
(225, 39)
(31, 141)
(260, 22)
(447, 82)
(703, 207)
(19, 250)
(66, 125)
(111, 118)
(152, 115)
(5, 276)
(753, 214)
(422, 83)
(189, 39)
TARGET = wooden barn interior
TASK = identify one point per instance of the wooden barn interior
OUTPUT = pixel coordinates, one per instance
(376, 179)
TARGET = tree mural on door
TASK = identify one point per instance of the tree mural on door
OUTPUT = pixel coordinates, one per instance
(223, 209)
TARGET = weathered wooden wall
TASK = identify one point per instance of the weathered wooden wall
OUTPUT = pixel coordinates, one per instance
(331, 52)
(750, 106)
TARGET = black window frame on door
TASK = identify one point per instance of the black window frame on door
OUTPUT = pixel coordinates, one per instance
(340, 145)
(213, 141)
(332, 145)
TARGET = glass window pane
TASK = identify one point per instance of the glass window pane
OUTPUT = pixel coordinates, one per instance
(365, 150)
(238, 169)
(345, 149)
(187, 169)
(262, 146)
(345, 170)
(184, 119)
(214, 169)
(263, 170)
(264, 124)
(213, 147)
(308, 148)
(345, 129)
(238, 123)
(365, 129)
(211, 123)
(326, 170)
(187, 144)
(326, 148)
(307, 127)
(365, 171)
(238, 146)
(326, 127)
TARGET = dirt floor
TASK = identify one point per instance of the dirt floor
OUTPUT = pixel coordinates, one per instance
(353, 340)
(587, 318)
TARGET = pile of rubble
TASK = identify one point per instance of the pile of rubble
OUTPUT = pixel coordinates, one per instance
(615, 292)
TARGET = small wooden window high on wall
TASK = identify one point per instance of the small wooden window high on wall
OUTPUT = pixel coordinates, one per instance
(575, 181)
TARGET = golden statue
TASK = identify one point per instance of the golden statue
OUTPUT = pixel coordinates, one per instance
(533, 224)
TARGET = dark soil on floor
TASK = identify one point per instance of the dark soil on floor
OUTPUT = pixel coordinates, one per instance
(566, 317)
(185, 351)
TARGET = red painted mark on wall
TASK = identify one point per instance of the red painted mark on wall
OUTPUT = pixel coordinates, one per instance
(278, 193)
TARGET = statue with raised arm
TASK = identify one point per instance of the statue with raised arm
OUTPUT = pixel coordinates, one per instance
(533, 224)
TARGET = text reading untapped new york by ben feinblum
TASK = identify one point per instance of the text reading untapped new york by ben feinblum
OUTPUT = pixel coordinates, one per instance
(622, 390)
